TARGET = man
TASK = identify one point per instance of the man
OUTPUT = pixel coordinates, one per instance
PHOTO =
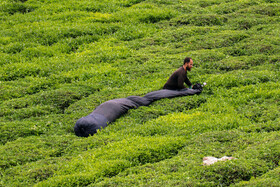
(179, 77)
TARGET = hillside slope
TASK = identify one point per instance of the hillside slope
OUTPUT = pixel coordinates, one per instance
(61, 59)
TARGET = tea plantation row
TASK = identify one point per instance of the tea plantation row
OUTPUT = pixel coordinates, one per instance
(61, 59)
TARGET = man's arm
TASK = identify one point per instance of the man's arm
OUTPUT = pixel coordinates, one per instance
(188, 82)
(181, 80)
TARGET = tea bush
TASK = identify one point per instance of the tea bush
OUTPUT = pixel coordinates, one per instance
(186, 168)
(61, 59)
(16, 7)
(146, 13)
(271, 178)
(144, 150)
(199, 20)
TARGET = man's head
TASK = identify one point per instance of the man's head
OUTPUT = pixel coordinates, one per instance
(188, 64)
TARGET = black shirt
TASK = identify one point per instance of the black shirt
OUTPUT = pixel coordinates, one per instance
(177, 79)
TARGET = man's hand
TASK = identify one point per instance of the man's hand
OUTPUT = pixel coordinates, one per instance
(197, 86)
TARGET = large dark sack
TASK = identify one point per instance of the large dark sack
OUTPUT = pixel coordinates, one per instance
(89, 124)
(114, 108)
(111, 110)
(164, 93)
(107, 112)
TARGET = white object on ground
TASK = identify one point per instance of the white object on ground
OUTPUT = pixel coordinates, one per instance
(211, 160)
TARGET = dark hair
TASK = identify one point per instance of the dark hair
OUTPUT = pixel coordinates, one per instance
(187, 60)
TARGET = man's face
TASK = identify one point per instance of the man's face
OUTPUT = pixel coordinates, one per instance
(189, 65)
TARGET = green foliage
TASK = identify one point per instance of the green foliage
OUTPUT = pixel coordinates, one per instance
(61, 59)
(271, 178)
(199, 20)
(146, 13)
(117, 157)
(16, 7)
(186, 167)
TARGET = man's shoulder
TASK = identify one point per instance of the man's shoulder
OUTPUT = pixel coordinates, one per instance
(180, 69)
(176, 72)
(179, 72)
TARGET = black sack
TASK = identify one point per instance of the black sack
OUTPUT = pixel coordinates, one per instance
(111, 110)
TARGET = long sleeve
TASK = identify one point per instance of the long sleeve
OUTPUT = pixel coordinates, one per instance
(188, 82)
(181, 79)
